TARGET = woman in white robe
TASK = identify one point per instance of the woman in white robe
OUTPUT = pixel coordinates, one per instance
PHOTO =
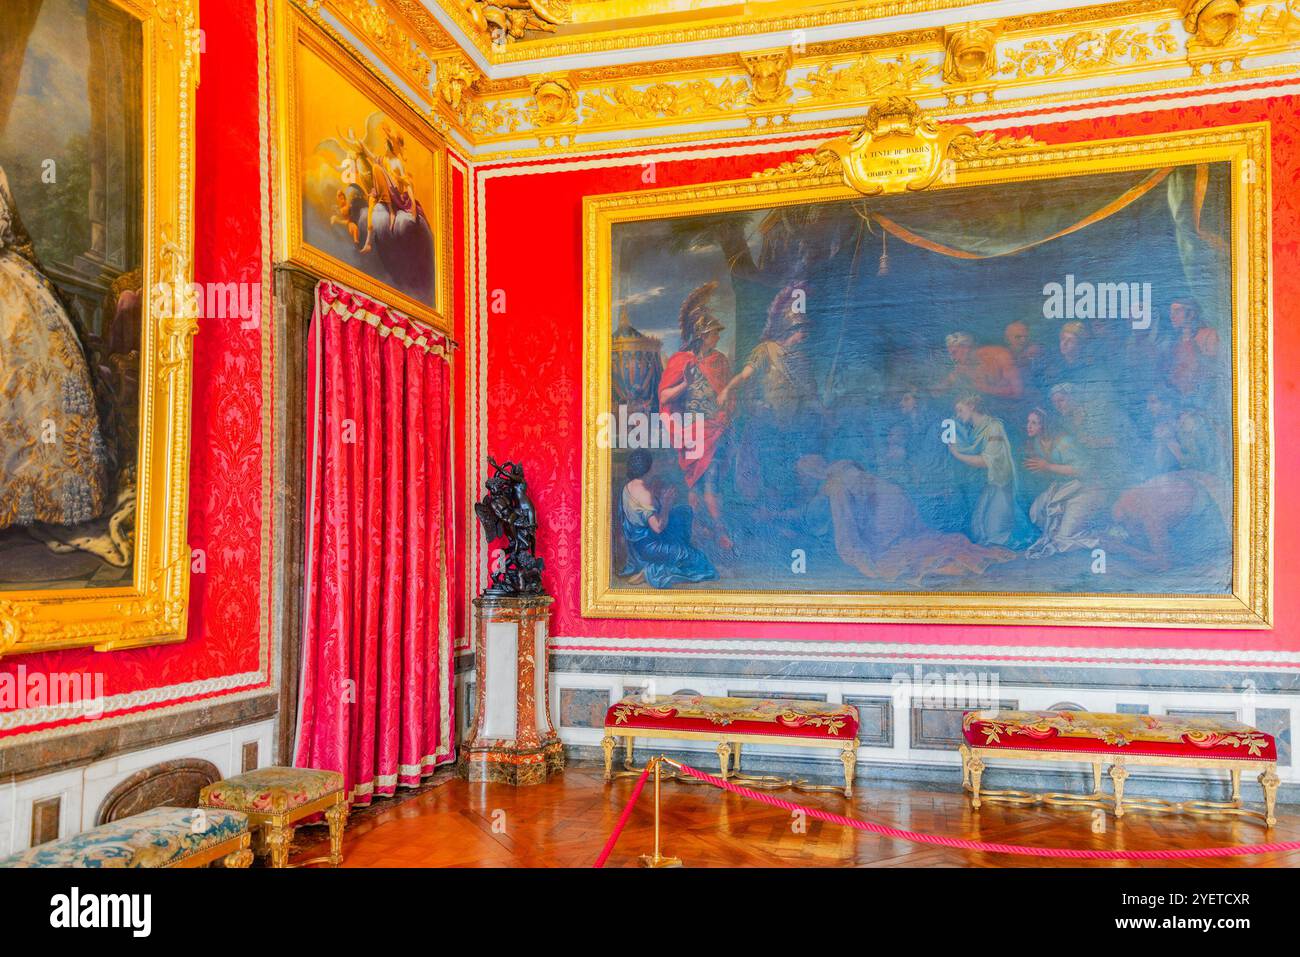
(52, 455)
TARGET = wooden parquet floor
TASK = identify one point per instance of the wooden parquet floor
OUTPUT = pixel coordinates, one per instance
(565, 823)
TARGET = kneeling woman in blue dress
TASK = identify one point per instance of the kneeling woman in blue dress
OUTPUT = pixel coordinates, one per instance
(658, 536)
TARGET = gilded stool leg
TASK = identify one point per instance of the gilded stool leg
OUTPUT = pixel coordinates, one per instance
(724, 755)
(628, 744)
(1096, 778)
(965, 766)
(238, 859)
(279, 835)
(849, 758)
(337, 816)
(1236, 785)
(1118, 775)
(976, 772)
(1268, 780)
(607, 743)
(735, 757)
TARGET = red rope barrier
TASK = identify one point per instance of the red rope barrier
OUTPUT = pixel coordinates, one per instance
(966, 845)
(623, 818)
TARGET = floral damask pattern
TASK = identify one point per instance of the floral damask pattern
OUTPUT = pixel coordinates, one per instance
(534, 375)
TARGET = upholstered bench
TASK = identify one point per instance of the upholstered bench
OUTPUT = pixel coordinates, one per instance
(162, 837)
(275, 799)
(1121, 741)
(731, 722)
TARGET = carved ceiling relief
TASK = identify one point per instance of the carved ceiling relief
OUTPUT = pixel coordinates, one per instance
(506, 20)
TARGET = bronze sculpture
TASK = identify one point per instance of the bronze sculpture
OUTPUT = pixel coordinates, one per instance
(507, 511)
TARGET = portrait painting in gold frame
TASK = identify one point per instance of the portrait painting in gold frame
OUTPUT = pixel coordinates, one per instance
(97, 315)
(924, 374)
(364, 178)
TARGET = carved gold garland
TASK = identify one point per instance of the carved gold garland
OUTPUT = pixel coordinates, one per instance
(153, 609)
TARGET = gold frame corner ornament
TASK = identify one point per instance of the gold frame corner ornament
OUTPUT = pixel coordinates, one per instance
(154, 609)
(295, 28)
(840, 171)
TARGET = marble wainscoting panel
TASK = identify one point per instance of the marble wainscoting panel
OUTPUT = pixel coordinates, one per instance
(911, 714)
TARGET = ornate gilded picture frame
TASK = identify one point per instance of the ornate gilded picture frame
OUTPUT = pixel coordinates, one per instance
(923, 374)
(364, 178)
(96, 160)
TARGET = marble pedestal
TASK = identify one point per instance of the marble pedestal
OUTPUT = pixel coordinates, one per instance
(512, 740)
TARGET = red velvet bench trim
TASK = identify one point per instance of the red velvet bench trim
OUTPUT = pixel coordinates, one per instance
(776, 717)
(1089, 733)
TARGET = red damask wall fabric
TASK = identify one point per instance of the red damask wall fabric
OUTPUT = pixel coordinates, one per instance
(227, 610)
(377, 691)
(534, 369)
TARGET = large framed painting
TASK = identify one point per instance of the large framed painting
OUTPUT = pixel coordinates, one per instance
(96, 319)
(364, 177)
(927, 375)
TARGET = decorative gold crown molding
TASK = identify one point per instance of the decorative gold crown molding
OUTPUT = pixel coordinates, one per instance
(1022, 60)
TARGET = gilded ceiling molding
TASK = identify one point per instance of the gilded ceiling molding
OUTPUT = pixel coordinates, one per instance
(538, 43)
(503, 21)
(454, 81)
(1089, 51)
(389, 38)
(767, 75)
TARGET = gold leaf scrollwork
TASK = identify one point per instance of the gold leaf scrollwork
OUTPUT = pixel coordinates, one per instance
(505, 20)
(898, 148)
(867, 77)
(628, 102)
(1087, 51)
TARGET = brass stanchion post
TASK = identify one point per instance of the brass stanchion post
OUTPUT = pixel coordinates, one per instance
(658, 860)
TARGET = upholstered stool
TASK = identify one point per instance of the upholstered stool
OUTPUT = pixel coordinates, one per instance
(162, 837)
(275, 798)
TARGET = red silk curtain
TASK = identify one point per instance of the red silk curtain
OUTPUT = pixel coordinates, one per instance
(376, 685)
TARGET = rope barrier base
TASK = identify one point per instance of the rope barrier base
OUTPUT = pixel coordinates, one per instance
(916, 837)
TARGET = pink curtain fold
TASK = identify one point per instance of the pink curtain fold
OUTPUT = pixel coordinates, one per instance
(376, 689)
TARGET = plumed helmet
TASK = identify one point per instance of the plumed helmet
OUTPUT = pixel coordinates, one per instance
(787, 312)
(697, 319)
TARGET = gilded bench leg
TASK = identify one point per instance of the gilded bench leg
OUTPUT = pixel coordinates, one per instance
(1268, 780)
(279, 835)
(965, 765)
(1096, 778)
(607, 743)
(724, 756)
(849, 758)
(628, 744)
(1118, 775)
(238, 859)
(1236, 785)
(337, 816)
(735, 757)
(976, 767)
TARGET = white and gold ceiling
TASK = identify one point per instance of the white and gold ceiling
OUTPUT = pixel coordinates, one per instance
(515, 77)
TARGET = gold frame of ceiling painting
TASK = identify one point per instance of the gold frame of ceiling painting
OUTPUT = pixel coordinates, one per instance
(297, 30)
(844, 171)
(154, 608)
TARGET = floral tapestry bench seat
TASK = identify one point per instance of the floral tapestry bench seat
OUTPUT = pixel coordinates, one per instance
(276, 799)
(161, 837)
(732, 722)
(1121, 741)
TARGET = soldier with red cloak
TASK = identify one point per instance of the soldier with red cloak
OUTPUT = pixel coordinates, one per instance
(693, 380)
